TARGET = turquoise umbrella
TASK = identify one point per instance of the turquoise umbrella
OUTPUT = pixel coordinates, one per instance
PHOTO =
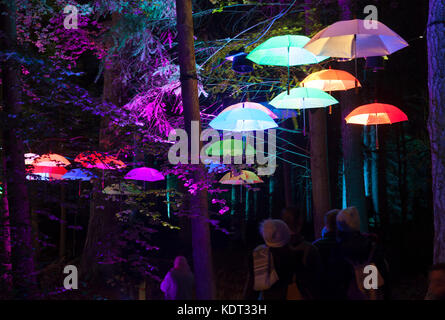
(244, 119)
(303, 98)
(285, 51)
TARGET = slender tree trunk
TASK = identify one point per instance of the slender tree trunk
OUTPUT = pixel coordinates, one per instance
(103, 229)
(63, 223)
(202, 253)
(436, 121)
(6, 267)
(22, 254)
(321, 197)
(351, 138)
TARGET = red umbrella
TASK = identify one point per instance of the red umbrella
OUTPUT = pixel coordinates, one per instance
(375, 114)
(47, 172)
(99, 160)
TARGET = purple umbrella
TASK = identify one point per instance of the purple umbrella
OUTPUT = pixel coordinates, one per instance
(144, 174)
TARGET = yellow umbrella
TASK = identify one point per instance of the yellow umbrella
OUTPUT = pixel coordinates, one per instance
(246, 177)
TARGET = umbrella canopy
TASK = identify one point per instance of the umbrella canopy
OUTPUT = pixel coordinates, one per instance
(284, 51)
(376, 113)
(281, 113)
(351, 39)
(246, 177)
(78, 174)
(47, 173)
(250, 105)
(244, 119)
(231, 147)
(30, 157)
(124, 188)
(303, 98)
(330, 80)
(51, 160)
(144, 174)
(99, 160)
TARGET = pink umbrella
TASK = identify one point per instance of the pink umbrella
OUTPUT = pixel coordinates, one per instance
(144, 174)
(251, 105)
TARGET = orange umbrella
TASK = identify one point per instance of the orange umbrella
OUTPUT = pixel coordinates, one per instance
(331, 80)
(246, 177)
(51, 160)
(375, 114)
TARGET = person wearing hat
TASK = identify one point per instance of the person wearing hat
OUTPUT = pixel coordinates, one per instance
(271, 264)
(354, 249)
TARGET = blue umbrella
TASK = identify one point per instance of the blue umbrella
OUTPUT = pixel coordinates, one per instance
(244, 119)
(78, 174)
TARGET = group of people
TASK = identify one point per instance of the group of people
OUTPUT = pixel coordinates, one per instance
(344, 264)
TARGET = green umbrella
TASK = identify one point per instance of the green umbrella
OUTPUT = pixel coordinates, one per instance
(124, 188)
(232, 147)
(303, 98)
(284, 51)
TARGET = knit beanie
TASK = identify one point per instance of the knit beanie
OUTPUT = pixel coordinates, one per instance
(348, 220)
(275, 233)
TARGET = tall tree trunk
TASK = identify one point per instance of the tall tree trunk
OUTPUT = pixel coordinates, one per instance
(321, 197)
(436, 121)
(103, 228)
(202, 254)
(63, 222)
(6, 267)
(351, 138)
(22, 254)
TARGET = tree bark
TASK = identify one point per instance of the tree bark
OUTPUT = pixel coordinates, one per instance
(6, 269)
(22, 255)
(436, 121)
(321, 197)
(351, 138)
(202, 254)
(319, 168)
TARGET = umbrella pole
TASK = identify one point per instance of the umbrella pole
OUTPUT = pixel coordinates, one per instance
(288, 72)
(304, 122)
(376, 137)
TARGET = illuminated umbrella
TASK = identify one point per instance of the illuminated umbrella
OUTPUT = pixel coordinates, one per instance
(285, 51)
(99, 160)
(47, 173)
(330, 80)
(250, 105)
(303, 98)
(375, 114)
(30, 157)
(244, 119)
(51, 160)
(79, 174)
(231, 147)
(246, 177)
(280, 113)
(144, 174)
(354, 39)
(124, 188)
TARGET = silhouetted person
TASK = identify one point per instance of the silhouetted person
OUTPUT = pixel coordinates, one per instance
(309, 267)
(436, 288)
(327, 245)
(271, 264)
(178, 283)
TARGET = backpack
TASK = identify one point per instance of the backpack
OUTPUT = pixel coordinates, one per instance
(265, 275)
(356, 289)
